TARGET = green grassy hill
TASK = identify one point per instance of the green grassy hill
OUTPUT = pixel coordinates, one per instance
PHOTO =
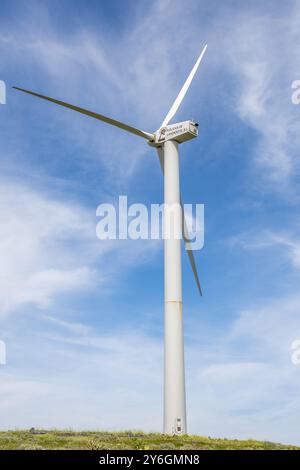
(39, 439)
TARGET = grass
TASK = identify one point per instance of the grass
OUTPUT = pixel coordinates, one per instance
(64, 440)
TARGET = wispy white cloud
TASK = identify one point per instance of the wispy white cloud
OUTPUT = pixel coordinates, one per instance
(260, 55)
(65, 325)
(48, 247)
(124, 367)
(249, 386)
(36, 261)
(287, 243)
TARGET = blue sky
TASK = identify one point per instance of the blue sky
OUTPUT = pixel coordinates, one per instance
(83, 319)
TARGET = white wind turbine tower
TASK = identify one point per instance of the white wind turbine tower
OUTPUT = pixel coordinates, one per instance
(166, 140)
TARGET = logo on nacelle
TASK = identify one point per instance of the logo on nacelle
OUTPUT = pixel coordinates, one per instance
(162, 134)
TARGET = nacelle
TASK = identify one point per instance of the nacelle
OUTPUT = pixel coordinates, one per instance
(180, 132)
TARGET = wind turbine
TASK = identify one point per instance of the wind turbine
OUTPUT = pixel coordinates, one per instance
(166, 140)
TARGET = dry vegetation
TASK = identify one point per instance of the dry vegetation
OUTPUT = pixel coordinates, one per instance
(39, 440)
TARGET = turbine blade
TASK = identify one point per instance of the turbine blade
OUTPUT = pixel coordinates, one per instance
(160, 153)
(183, 91)
(185, 233)
(100, 117)
(189, 251)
